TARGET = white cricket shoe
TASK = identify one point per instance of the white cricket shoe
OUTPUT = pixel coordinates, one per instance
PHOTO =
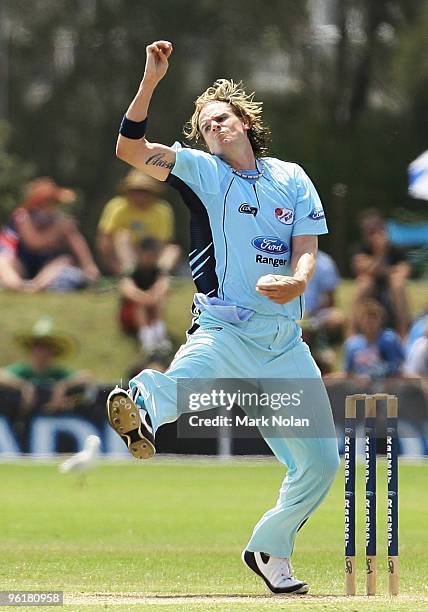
(131, 423)
(276, 572)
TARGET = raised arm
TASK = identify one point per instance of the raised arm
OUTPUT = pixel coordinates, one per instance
(156, 160)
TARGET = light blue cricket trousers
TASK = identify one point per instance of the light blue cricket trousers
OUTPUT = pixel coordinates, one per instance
(262, 347)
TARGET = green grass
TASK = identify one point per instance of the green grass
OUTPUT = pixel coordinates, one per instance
(170, 529)
(92, 318)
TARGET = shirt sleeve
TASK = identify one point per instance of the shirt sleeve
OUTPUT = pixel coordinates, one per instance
(20, 370)
(197, 169)
(309, 213)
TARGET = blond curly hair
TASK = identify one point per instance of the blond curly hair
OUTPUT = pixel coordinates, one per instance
(243, 106)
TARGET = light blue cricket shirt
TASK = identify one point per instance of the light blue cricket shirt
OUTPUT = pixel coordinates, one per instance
(241, 229)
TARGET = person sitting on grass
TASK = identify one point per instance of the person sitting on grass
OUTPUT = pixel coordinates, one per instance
(143, 295)
(137, 212)
(417, 330)
(381, 272)
(324, 323)
(416, 363)
(375, 352)
(41, 247)
(41, 371)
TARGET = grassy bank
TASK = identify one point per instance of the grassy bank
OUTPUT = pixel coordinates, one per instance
(92, 318)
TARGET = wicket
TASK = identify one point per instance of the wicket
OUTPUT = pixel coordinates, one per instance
(370, 402)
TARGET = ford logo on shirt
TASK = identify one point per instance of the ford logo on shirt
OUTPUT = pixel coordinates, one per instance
(268, 244)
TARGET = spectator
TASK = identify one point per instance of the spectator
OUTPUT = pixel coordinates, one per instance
(127, 218)
(40, 369)
(375, 352)
(41, 247)
(320, 308)
(144, 294)
(381, 271)
(416, 363)
(322, 352)
(417, 330)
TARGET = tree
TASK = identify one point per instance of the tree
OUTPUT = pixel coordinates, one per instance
(328, 89)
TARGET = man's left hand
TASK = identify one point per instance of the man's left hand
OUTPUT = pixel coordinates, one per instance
(280, 289)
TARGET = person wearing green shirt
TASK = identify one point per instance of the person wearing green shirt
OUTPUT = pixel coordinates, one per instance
(44, 347)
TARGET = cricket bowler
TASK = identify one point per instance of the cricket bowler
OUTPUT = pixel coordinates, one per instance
(255, 222)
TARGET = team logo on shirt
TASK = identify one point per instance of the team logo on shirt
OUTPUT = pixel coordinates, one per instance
(247, 209)
(269, 245)
(284, 215)
(317, 214)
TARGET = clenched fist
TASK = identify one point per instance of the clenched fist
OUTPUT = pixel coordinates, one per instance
(157, 61)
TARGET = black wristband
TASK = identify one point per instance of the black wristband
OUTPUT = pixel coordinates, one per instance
(133, 129)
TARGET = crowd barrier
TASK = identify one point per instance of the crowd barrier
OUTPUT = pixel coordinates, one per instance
(43, 434)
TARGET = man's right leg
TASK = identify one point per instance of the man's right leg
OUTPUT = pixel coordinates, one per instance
(209, 353)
